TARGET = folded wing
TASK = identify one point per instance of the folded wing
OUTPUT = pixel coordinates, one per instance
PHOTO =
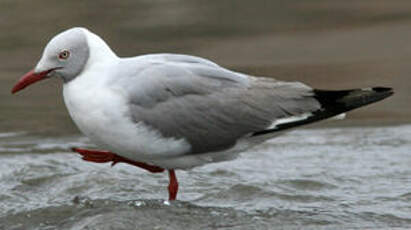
(209, 106)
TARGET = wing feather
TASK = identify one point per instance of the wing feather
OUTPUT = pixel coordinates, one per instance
(209, 106)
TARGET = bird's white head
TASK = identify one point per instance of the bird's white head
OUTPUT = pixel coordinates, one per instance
(65, 56)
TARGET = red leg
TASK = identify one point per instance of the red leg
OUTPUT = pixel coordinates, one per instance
(98, 156)
(173, 185)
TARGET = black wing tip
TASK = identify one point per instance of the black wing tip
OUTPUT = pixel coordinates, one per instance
(378, 94)
(351, 99)
(337, 102)
(384, 90)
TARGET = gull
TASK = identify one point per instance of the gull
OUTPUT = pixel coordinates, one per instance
(172, 111)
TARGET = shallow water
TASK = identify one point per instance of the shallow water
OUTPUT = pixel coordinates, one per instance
(330, 178)
(327, 178)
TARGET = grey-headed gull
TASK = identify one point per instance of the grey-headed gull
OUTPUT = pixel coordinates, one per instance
(171, 111)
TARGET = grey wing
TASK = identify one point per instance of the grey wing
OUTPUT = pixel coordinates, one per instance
(212, 107)
(177, 58)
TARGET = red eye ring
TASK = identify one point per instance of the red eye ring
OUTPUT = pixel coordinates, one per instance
(64, 54)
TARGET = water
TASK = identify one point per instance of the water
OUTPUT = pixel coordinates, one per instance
(323, 178)
(330, 178)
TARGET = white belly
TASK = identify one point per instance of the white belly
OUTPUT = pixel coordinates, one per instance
(102, 115)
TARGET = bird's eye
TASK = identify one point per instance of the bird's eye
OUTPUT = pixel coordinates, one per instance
(64, 54)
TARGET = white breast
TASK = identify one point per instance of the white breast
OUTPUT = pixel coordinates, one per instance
(102, 114)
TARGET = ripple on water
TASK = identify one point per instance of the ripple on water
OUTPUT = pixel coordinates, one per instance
(306, 184)
(84, 213)
(11, 134)
(358, 180)
(406, 196)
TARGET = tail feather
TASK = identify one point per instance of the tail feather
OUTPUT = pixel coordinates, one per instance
(335, 102)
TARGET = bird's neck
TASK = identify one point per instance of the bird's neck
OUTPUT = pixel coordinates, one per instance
(99, 50)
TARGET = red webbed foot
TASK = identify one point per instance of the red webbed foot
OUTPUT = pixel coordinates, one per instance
(99, 156)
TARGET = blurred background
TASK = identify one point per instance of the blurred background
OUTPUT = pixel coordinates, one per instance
(324, 43)
(353, 174)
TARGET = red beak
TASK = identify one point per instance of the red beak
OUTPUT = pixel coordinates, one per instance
(28, 79)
